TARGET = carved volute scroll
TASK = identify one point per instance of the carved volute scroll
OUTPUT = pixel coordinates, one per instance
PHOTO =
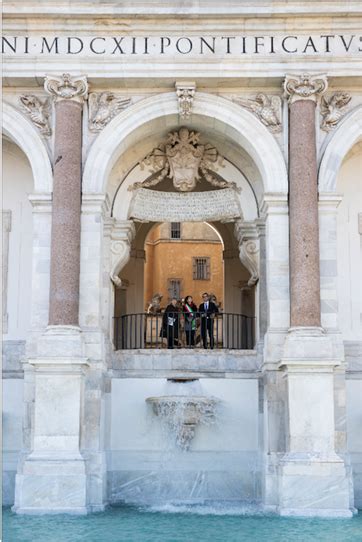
(66, 87)
(247, 237)
(305, 87)
(122, 235)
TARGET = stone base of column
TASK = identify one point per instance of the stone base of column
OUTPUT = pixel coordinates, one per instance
(313, 480)
(313, 486)
(61, 342)
(51, 484)
(52, 478)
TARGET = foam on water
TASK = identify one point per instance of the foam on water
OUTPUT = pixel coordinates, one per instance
(214, 509)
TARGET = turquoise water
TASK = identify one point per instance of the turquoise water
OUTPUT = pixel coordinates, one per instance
(177, 524)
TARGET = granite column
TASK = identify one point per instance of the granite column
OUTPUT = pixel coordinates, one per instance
(65, 246)
(312, 477)
(53, 478)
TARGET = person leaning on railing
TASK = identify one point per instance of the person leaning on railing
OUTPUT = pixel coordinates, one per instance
(189, 310)
(171, 324)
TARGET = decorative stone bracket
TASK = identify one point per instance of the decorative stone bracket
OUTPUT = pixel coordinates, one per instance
(247, 236)
(185, 92)
(122, 235)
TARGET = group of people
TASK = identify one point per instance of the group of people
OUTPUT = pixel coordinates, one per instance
(192, 316)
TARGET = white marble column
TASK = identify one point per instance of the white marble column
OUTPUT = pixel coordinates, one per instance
(95, 332)
(274, 209)
(275, 306)
(312, 477)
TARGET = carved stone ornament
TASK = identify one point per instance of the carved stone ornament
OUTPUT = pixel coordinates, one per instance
(209, 205)
(67, 87)
(305, 87)
(333, 109)
(184, 160)
(248, 251)
(268, 109)
(185, 94)
(38, 111)
(122, 236)
(103, 107)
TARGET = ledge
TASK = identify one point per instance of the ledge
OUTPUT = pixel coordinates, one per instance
(195, 363)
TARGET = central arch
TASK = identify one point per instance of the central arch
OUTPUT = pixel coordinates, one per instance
(221, 115)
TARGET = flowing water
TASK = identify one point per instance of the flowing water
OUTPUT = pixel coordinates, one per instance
(181, 408)
(175, 522)
(178, 524)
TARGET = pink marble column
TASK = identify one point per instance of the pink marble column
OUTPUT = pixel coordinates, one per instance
(69, 94)
(303, 93)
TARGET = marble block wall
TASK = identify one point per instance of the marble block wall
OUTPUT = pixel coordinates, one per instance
(223, 462)
(12, 434)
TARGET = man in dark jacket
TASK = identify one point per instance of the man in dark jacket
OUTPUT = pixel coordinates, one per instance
(207, 311)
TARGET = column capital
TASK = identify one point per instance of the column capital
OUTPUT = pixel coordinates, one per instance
(67, 87)
(304, 87)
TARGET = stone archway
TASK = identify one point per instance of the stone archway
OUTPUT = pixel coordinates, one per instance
(136, 121)
(25, 135)
(342, 140)
(143, 121)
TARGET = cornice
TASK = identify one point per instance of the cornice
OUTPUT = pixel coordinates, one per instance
(183, 9)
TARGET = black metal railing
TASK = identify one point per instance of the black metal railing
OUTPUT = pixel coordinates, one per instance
(180, 330)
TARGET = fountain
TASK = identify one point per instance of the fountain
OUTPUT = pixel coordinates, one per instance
(183, 409)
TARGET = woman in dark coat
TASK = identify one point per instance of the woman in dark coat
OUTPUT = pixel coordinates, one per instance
(170, 323)
(189, 310)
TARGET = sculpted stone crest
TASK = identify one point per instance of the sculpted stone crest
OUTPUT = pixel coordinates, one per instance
(266, 108)
(184, 159)
(333, 109)
(103, 107)
(38, 111)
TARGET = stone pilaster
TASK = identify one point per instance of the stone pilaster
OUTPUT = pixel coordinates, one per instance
(6, 227)
(312, 477)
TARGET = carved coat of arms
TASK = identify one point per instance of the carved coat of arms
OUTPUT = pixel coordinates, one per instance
(185, 160)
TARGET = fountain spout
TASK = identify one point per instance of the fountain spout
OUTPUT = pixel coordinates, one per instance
(183, 413)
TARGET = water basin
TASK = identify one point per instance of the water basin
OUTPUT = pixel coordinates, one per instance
(216, 523)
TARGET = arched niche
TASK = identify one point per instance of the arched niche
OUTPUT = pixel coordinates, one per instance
(146, 119)
(20, 130)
